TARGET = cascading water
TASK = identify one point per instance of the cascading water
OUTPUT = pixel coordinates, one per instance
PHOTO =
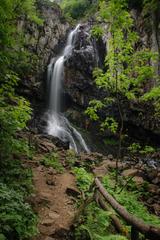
(58, 125)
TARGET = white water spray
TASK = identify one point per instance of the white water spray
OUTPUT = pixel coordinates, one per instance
(58, 125)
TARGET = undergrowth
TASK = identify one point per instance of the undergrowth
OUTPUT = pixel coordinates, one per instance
(70, 157)
(52, 160)
(17, 219)
(130, 201)
(94, 224)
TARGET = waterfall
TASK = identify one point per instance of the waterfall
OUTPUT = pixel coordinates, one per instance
(58, 125)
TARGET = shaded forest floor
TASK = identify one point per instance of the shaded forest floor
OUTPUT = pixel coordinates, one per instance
(56, 193)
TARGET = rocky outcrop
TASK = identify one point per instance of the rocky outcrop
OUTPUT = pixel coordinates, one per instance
(89, 53)
(79, 66)
(80, 88)
(43, 41)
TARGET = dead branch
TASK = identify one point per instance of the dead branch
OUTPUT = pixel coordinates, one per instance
(151, 232)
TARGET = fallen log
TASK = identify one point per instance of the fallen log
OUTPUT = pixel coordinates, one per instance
(116, 222)
(151, 232)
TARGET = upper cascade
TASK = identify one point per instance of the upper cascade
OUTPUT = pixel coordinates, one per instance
(58, 125)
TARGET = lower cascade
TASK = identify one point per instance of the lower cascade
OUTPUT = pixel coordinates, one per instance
(58, 125)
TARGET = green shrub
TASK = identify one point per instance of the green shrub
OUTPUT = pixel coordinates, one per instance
(97, 31)
(52, 160)
(70, 157)
(78, 9)
(16, 216)
(130, 201)
(84, 179)
(95, 223)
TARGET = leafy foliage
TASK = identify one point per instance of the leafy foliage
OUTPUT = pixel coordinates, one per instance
(78, 9)
(70, 157)
(75, 9)
(95, 105)
(11, 38)
(84, 179)
(137, 148)
(95, 222)
(17, 218)
(52, 160)
(97, 31)
(14, 113)
(110, 124)
(128, 71)
(130, 201)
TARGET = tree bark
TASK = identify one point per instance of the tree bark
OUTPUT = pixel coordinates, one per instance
(151, 232)
(119, 227)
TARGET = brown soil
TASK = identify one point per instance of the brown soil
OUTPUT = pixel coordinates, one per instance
(56, 210)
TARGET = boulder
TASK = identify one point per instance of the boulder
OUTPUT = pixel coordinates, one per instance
(138, 180)
(72, 192)
(100, 171)
(131, 172)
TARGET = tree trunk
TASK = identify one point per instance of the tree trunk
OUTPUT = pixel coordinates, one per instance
(151, 232)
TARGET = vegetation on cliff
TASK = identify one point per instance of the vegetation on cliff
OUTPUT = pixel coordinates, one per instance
(16, 216)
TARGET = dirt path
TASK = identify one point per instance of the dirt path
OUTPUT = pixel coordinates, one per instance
(55, 208)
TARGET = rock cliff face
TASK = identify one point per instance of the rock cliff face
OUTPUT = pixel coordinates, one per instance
(43, 42)
(79, 86)
(46, 41)
(79, 67)
(88, 54)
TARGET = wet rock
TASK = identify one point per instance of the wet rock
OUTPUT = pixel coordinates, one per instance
(138, 180)
(152, 174)
(45, 196)
(46, 146)
(51, 171)
(72, 192)
(100, 171)
(156, 208)
(49, 238)
(79, 65)
(110, 157)
(153, 188)
(40, 168)
(48, 222)
(87, 158)
(131, 172)
(156, 180)
(112, 164)
(53, 215)
(49, 143)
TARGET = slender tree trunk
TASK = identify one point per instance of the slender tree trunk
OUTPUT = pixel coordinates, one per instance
(121, 120)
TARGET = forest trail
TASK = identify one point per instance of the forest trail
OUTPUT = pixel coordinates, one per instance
(55, 208)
